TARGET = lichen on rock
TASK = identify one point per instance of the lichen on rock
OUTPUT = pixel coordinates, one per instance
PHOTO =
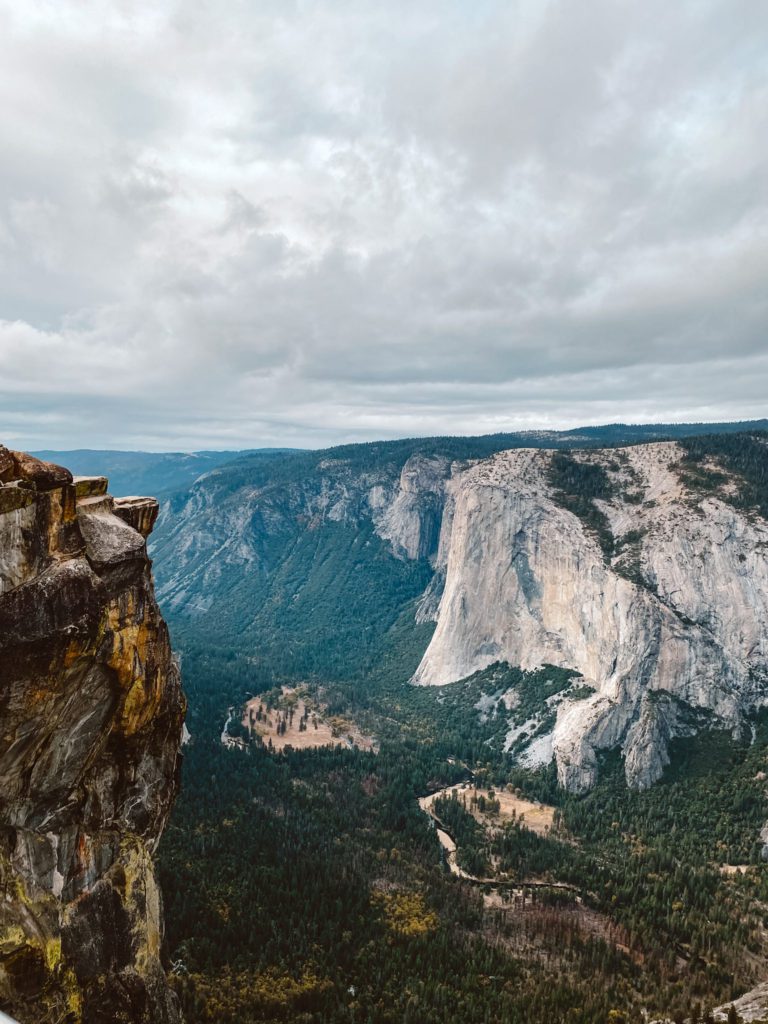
(91, 715)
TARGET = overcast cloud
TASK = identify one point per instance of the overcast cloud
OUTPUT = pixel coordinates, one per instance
(233, 224)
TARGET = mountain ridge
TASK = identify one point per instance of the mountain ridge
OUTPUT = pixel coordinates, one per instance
(282, 557)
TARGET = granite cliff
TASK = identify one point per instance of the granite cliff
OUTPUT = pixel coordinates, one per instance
(658, 598)
(91, 715)
(640, 569)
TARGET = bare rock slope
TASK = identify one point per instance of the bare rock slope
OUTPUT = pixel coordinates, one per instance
(669, 628)
(91, 716)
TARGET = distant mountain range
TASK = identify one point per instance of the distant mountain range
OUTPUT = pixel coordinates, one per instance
(161, 473)
(151, 473)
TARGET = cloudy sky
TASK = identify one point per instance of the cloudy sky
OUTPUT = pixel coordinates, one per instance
(233, 224)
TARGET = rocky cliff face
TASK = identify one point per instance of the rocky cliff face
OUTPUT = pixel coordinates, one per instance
(656, 592)
(221, 530)
(91, 716)
(409, 514)
(669, 631)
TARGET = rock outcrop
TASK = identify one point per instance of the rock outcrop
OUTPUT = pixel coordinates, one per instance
(671, 629)
(91, 715)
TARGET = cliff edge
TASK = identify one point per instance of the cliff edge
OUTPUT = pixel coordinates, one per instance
(91, 715)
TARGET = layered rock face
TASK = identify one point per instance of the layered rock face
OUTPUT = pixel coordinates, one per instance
(91, 716)
(669, 630)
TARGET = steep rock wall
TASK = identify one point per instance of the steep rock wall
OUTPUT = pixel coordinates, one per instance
(675, 624)
(222, 534)
(91, 715)
(410, 516)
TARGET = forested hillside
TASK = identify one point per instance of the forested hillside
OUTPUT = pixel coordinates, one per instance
(308, 885)
(283, 552)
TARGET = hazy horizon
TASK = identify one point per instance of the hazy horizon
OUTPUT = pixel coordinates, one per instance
(257, 447)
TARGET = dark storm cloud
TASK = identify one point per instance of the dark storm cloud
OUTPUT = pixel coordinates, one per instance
(237, 224)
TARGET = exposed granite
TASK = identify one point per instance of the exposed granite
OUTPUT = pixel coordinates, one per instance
(409, 517)
(90, 486)
(91, 716)
(139, 513)
(671, 631)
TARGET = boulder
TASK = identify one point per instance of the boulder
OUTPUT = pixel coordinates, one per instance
(138, 513)
(43, 476)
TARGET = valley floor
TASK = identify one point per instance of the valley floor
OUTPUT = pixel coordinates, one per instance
(306, 883)
(291, 718)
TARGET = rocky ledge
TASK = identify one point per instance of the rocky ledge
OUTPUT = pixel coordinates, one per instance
(91, 715)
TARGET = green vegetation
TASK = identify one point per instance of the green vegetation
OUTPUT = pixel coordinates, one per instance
(325, 608)
(469, 836)
(745, 455)
(308, 886)
(576, 484)
(260, 469)
(628, 548)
